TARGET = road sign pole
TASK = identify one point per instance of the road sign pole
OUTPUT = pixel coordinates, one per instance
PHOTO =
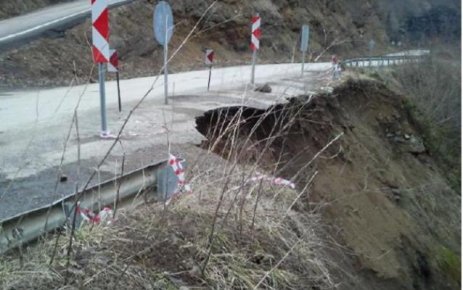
(119, 92)
(305, 34)
(254, 59)
(163, 24)
(166, 73)
(166, 78)
(209, 81)
(303, 63)
(101, 76)
(100, 50)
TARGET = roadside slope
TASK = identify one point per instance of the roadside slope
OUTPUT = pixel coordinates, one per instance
(376, 183)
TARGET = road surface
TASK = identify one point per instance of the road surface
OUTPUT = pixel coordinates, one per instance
(27, 26)
(34, 125)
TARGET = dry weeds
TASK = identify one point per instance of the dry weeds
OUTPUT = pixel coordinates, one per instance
(268, 246)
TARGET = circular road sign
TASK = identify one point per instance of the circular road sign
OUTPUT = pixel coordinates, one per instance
(163, 23)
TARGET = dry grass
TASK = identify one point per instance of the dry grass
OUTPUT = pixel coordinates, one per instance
(154, 248)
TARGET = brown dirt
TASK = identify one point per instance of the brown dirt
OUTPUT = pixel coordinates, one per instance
(378, 185)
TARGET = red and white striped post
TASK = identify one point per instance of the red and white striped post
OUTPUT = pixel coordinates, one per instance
(256, 33)
(100, 50)
(209, 61)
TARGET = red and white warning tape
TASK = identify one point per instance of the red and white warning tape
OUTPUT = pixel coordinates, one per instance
(273, 180)
(177, 166)
(105, 215)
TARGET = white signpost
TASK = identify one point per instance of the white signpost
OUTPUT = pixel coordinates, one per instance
(305, 33)
(163, 25)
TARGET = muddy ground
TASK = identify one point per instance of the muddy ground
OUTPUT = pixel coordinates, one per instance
(376, 182)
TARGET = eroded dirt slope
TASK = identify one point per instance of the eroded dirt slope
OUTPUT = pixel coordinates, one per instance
(376, 183)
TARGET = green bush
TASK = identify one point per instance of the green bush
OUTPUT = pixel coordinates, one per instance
(450, 263)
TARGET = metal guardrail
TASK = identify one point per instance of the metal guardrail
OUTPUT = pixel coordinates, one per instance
(25, 227)
(382, 61)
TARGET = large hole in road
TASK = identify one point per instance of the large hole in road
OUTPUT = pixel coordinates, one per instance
(281, 139)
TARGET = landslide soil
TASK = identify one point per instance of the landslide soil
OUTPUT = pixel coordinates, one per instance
(378, 186)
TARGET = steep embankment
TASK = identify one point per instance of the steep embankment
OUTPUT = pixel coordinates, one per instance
(376, 183)
(343, 27)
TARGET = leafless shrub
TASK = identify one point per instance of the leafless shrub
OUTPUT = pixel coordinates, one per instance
(433, 88)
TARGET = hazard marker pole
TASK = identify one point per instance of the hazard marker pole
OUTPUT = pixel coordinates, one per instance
(113, 66)
(209, 60)
(254, 60)
(100, 50)
(209, 81)
(255, 37)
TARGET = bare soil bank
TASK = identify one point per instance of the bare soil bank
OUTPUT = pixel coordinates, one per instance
(376, 183)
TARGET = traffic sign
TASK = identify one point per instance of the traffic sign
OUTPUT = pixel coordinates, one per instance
(305, 38)
(209, 59)
(100, 31)
(256, 32)
(163, 23)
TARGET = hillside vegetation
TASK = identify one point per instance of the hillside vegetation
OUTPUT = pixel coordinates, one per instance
(342, 27)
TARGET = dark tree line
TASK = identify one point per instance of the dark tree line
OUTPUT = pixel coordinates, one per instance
(439, 22)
